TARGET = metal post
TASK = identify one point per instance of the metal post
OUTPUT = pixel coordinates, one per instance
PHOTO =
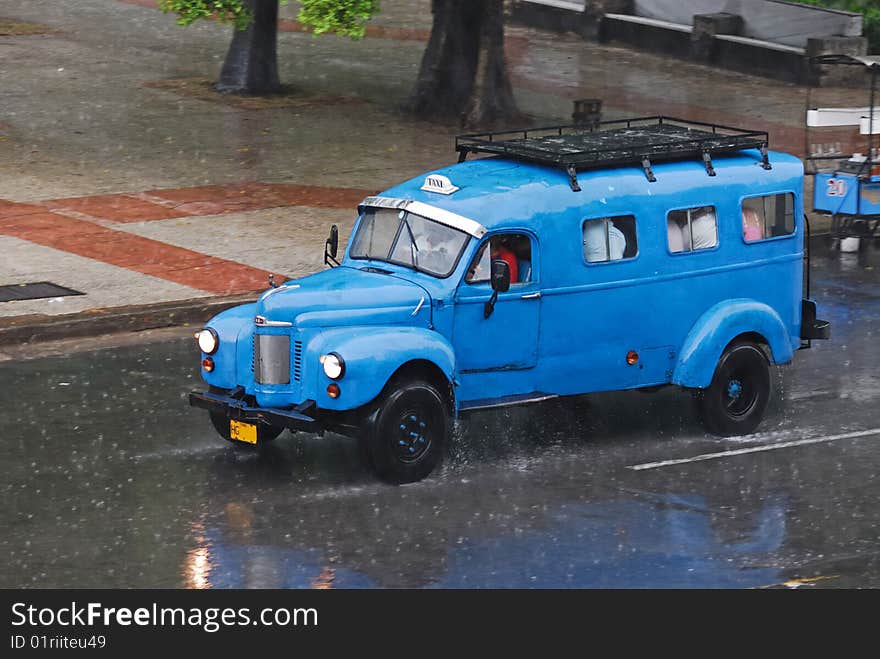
(871, 119)
(870, 161)
(807, 153)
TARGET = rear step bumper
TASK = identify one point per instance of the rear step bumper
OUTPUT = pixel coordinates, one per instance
(811, 327)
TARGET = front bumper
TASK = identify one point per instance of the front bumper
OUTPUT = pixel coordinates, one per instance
(235, 405)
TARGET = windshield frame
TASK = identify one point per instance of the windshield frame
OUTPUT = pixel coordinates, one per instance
(403, 224)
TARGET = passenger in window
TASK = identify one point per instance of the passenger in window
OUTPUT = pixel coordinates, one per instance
(704, 230)
(698, 226)
(674, 235)
(753, 226)
(437, 245)
(603, 241)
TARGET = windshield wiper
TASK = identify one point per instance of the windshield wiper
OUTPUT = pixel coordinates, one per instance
(414, 249)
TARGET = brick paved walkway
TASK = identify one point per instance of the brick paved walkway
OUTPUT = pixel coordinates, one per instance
(85, 226)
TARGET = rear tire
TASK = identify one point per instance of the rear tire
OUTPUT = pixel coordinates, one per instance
(407, 432)
(265, 434)
(735, 401)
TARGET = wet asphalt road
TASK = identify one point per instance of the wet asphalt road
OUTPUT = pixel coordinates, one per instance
(110, 480)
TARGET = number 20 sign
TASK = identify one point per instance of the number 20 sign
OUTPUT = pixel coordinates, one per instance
(836, 187)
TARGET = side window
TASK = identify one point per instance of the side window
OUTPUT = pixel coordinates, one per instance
(768, 217)
(692, 229)
(515, 249)
(610, 239)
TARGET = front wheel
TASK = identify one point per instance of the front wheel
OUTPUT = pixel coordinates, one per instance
(735, 401)
(406, 434)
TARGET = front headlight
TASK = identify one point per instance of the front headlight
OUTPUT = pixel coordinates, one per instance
(208, 340)
(334, 365)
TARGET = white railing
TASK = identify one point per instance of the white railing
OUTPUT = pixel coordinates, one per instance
(766, 20)
(837, 117)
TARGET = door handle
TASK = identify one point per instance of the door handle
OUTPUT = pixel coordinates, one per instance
(532, 296)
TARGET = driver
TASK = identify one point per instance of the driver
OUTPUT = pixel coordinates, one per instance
(499, 250)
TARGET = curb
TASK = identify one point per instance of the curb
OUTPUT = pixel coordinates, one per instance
(114, 320)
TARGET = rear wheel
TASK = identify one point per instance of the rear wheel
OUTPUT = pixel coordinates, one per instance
(265, 434)
(735, 401)
(406, 434)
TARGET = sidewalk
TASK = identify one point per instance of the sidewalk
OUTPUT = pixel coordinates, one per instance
(123, 178)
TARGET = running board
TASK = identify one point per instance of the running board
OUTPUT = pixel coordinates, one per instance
(505, 401)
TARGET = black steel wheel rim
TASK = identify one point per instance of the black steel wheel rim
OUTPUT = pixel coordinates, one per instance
(740, 387)
(413, 437)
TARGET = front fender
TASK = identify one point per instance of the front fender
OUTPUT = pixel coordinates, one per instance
(716, 328)
(372, 355)
(232, 359)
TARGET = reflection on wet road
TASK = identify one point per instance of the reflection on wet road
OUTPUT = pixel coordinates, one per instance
(110, 480)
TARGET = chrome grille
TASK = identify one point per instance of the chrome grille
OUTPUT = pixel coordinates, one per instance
(271, 359)
(297, 360)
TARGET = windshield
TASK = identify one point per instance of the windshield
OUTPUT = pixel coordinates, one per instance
(401, 237)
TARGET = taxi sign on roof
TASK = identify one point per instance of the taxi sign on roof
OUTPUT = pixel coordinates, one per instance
(440, 184)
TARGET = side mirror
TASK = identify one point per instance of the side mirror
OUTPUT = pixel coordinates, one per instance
(500, 281)
(331, 247)
(500, 277)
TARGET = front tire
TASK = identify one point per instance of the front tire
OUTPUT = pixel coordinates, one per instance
(735, 401)
(407, 432)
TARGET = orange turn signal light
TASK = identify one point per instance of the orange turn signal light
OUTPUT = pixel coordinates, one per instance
(632, 357)
(208, 364)
(333, 390)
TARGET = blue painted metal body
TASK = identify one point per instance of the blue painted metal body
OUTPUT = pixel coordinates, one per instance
(569, 329)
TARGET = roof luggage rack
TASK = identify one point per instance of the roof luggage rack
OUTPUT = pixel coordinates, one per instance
(639, 141)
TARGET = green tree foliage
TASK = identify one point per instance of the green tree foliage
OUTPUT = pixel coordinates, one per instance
(870, 9)
(189, 11)
(343, 17)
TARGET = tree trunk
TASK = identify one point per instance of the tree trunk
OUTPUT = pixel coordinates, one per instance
(251, 65)
(464, 71)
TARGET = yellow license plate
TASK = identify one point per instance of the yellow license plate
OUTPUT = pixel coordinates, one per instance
(243, 432)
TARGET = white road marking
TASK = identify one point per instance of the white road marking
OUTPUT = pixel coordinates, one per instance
(755, 449)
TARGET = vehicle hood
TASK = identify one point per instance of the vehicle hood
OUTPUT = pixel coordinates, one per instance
(347, 296)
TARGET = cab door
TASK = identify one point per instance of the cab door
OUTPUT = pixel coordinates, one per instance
(508, 339)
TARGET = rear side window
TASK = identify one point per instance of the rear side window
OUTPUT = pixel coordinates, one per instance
(610, 239)
(768, 217)
(692, 229)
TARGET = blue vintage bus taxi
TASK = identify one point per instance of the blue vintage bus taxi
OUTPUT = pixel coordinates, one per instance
(563, 261)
